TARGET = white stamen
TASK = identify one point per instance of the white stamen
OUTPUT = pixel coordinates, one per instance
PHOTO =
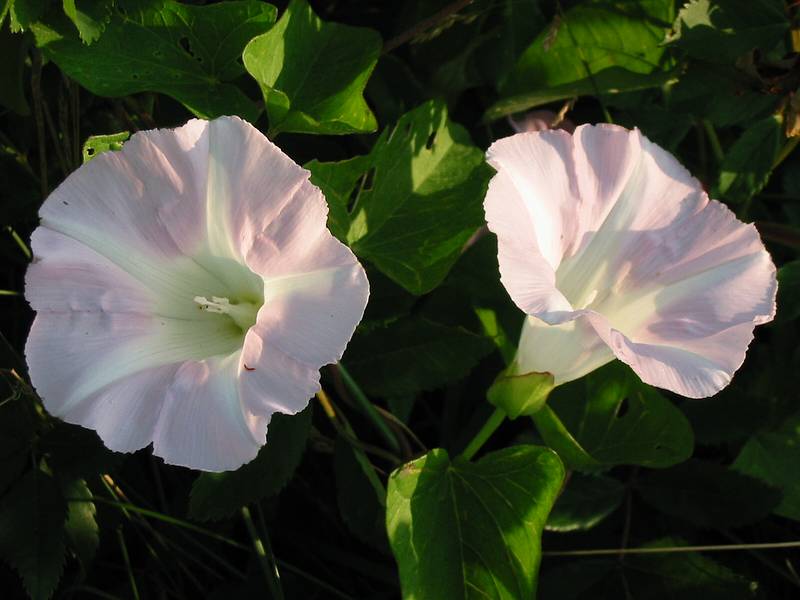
(243, 314)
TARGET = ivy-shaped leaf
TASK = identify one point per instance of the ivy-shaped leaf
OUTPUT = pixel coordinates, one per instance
(610, 418)
(419, 198)
(188, 52)
(467, 530)
(313, 73)
(218, 495)
(83, 533)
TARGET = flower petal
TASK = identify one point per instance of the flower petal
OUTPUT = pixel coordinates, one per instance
(568, 351)
(111, 348)
(201, 424)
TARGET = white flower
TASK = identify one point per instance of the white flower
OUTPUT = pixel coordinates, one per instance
(186, 289)
(614, 250)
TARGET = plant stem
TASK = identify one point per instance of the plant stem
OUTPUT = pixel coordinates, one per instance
(713, 140)
(270, 571)
(124, 549)
(425, 25)
(491, 425)
(674, 549)
(785, 151)
(365, 405)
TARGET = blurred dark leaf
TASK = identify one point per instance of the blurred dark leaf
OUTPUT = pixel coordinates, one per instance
(584, 502)
(748, 164)
(215, 496)
(358, 505)
(413, 354)
(773, 456)
(789, 291)
(708, 495)
(83, 533)
(14, 50)
(32, 516)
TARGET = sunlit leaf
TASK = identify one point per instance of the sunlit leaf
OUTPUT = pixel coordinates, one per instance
(313, 73)
(464, 530)
(188, 52)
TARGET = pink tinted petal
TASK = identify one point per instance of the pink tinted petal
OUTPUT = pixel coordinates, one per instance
(202, 425)
(124, 199)
(73, 355)
(125, 413)
(250, 181)
(538, 169)
(524, 209)
(68, 275)
(270, 382)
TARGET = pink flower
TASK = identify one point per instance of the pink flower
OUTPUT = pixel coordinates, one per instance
(613, 250)
(186, 289)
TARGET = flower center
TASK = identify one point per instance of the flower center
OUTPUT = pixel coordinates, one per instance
(242, 313)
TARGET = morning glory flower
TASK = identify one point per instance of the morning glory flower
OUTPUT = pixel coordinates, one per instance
(614, 250)
(186, 289)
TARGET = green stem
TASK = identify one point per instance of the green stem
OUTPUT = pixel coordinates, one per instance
(491, 425)
(713, 140)
(365, 405)
(785, 151)
(270, 572)
(126, 558)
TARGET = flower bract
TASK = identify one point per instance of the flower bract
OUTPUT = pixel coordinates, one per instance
(186, 289)
(614, 250)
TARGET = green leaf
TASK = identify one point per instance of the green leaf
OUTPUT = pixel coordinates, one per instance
(464, 530)
(747, 165)
(723, 30)
(5, 6)
(190, 53)
(218, 495)
(16, 436)
(338, 180)
(97, 144)
(355, 495)
(789, 291)
(520, 394)
(722, 94)
(585, 501)
(611, 82)
(89, 16)
(667, 576)
(610, 418)
(25, 13)
(76, 452)
(421, 201)
(708, 495)
(14, 50)
(411, 355)
(313, 73)
(32, 516)
(81, 528)
(596, 47)
(773, 456)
